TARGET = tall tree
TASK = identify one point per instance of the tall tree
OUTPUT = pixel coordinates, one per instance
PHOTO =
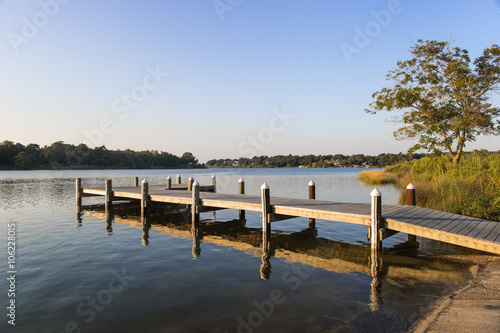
(443, 99)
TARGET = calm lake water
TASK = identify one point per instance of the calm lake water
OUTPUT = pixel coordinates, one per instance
(94, 276)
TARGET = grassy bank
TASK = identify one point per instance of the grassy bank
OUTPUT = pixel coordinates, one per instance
(472, 188)
(377, 177)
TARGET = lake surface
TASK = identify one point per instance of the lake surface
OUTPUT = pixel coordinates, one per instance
(94, 275)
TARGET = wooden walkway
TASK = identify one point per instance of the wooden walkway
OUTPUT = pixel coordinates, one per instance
(441, 226)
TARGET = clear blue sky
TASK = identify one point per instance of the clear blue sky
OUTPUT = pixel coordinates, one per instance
(210, 77)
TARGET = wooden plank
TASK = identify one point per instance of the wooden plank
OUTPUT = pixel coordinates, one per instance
(473, 243)
(441, 220)
(485, 225)
(493, 235)
(486, 231)
(458, 224)
(477, 223)
(416, 216)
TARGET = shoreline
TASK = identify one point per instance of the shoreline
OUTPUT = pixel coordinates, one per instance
(474, 307)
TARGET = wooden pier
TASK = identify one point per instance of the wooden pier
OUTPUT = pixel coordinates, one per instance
(382, 221)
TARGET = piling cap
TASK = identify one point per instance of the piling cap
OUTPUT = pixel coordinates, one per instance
(213, 176)
(169, 177)
(144, 181)
(190, 178)
(311, 183)
(178, 176)
(241, 180)
(410, 187)
(375, 193)
(265, 186)
(196, 183)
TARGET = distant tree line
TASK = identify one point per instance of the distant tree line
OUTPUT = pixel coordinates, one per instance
(314, 161)
(59, 155)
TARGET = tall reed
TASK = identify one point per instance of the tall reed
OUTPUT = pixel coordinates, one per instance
(472, 188)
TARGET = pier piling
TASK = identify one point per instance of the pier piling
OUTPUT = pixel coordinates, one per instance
(312, 195)
(266, 208)
(241, 190)
(144, 198)
(78, 194)
(195, 213)
(376, 220)
(169, 182)
(411, 201)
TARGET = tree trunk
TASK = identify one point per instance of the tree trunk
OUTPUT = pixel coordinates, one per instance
(456, 159)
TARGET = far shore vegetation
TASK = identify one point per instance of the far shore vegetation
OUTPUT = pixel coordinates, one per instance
(471, 188)
(59, 155)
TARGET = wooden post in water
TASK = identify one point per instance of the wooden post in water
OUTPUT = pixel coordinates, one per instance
(411, 201)
(169, 182)
(376, 217)
(78, 194)
(144, 199)
(195, 212)
(136, 181)
(109, 195)
(190, 183)
(241, 190)
(266, 208)
(214, 184)
(312, 195)
(179, 179)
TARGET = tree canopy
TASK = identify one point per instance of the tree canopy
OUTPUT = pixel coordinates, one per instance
(443, 98)
(60, 155)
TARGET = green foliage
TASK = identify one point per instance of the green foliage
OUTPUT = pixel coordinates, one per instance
(471, 188)
(65, 156)
(314, 161)
(444, 101)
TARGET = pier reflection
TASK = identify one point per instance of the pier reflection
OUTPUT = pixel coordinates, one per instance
(386, 269)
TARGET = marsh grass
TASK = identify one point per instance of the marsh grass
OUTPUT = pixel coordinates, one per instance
(472, 188)
(377, 177)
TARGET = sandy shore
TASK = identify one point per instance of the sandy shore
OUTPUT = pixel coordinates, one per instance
(473, 308)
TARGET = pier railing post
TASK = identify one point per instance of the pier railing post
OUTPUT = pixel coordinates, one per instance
(312, 195)
(214, 183)
(266, 208)
(136, 181)
(179, 179)
(195, 212)
(144, 198)
(411, 201)
(190, 183)
(376, 219)
(169, 182)
(241, 190)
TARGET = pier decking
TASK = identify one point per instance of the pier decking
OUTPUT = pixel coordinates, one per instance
(382, 220)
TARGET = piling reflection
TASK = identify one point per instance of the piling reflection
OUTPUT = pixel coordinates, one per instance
(195, 231)
(265, 267)
(109, 219)
(79, 215)
(145, 234)
(385, 269)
